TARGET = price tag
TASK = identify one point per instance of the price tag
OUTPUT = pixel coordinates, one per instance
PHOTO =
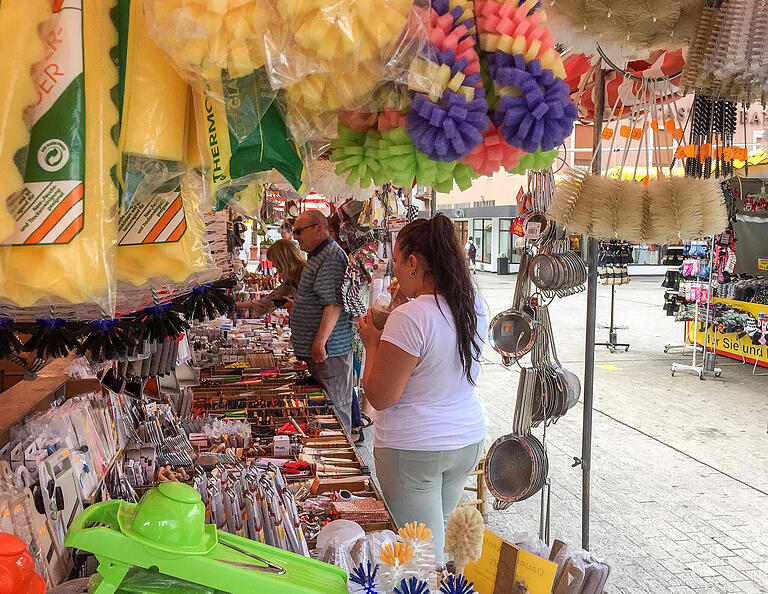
(762, 263)
(532, 230)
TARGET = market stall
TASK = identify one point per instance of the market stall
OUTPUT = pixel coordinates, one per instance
(144, 137)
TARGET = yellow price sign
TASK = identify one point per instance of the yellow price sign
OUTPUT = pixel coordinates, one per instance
(762, 263)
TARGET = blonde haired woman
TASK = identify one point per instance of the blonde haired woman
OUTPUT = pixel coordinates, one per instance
(289, 261)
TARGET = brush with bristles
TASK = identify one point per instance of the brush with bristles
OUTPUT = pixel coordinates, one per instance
(394, 566)
(419, 538)
(464, 536)
(659, 228)
(629, 218)
(698, 48)
(688, 202)
(567, 195)
(606, 199)
(714, 215)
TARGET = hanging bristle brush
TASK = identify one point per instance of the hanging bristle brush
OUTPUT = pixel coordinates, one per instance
(420, 539)
(9, 342)
(208, 301)
(158, 322)
(464, 533)
(108, 340)
(52, 337)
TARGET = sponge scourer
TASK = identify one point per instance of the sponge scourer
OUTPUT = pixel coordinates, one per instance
(22, 47)
(80, 269)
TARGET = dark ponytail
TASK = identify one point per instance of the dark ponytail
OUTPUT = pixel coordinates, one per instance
(435, 240)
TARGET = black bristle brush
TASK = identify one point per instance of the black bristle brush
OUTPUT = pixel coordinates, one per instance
(52, 337)
(108, 340)
(207, 301)
(9, 342)
(158, 322)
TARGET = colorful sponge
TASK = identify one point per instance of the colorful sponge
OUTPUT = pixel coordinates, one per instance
(543, 116)
(535, 161)
(357, 154)
(492, 153)
(449, 126)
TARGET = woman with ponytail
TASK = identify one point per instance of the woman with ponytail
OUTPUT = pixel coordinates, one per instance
(420, 374)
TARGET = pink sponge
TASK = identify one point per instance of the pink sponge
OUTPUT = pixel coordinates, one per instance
(359, 121)
(492, 153)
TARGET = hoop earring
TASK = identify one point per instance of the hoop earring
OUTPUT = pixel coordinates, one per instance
(412, 274)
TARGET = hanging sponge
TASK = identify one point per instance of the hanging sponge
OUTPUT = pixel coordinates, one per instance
(22, 47)
(82, 269)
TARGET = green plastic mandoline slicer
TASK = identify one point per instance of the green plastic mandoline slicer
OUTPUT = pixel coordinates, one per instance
(166, 530)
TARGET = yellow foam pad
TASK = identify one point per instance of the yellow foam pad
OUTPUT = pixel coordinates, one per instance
(177, 260)
(81, 271)
(155, 98)
(22, 47)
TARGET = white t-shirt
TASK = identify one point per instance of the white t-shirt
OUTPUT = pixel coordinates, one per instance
(438, 409)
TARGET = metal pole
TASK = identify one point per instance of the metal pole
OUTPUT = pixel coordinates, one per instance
(589, 345)
(432, 203)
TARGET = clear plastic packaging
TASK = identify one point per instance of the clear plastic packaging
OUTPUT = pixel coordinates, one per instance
(64, 244)
(334, 37)
(218, 46)
(317, 87)
(232, 160)
(204, 38)
(139, 581)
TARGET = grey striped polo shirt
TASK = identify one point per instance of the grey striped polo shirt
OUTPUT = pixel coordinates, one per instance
(320, 285)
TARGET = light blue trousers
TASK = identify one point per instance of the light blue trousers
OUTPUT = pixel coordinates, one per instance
(425, 486)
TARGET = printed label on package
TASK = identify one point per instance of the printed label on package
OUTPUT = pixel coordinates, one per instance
(50, 207)
(158, 218)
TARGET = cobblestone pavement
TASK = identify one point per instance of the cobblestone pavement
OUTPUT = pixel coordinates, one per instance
(680, 466)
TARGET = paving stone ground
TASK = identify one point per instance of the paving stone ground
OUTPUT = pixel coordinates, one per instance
(680, 466)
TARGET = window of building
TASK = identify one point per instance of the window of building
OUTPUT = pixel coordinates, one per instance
(481, 232)
(462, 231)
(505, 239)
(481, 203)
(487, 240)
(461, 205)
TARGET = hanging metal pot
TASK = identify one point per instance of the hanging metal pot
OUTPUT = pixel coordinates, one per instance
(511, 333)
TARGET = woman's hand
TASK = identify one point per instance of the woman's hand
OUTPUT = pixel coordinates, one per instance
(369, 334)
(397, 296)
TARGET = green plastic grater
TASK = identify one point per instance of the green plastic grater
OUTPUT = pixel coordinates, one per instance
(166, 532)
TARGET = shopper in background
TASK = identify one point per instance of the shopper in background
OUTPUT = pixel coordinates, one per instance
(420, 374)
(289, 263)
(286, 232)
(321, 329)
(471, 249)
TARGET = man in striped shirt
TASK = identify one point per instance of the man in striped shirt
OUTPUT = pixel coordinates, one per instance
(321, 329)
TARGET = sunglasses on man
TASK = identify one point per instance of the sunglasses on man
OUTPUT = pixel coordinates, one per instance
(298, 230)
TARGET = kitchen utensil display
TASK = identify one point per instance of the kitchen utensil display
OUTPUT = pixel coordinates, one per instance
(558, 273)
(646, 207)
(511, 332)
(516, 467)
(556, 389)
